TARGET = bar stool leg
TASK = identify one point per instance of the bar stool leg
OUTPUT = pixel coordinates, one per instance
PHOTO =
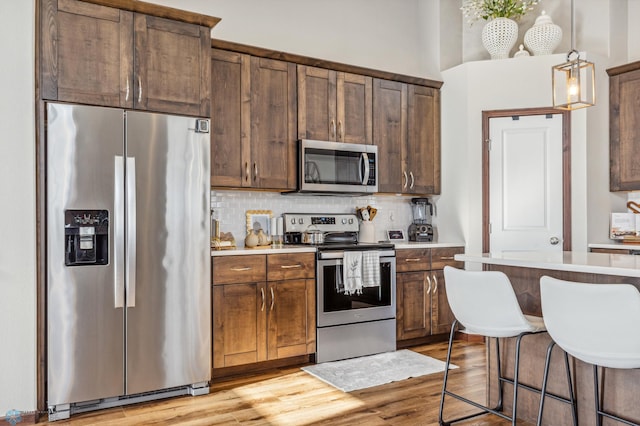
(572, 399)
(498, 406)
(446, 372)
(597, 395)
(515, 380)
(543, 391)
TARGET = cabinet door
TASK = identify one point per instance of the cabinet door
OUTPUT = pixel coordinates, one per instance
(230, 119)
(422, 154)
(172, 66)
(390, 133)
(291, 318)
(316, 103)
(624, 122)
(273, 124)
(413, 313)
(354, 108)
(86, 53)
(441, 315)
(239, 324)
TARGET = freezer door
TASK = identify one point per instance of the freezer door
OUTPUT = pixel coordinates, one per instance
(168, 335)
(85, 317)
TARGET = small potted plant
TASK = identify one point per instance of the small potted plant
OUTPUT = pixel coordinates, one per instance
(501, 32)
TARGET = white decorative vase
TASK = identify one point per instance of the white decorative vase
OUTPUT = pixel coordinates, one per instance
(498, 37)
(544, 36)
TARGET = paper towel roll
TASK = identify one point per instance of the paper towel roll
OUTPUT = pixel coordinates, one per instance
(274, 226)
(280, 226)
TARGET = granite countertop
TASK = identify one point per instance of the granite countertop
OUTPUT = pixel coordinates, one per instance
(625, 265)
(311, 249)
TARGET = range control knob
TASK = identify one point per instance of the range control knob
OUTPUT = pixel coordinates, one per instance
(350, 221)
(344, 221)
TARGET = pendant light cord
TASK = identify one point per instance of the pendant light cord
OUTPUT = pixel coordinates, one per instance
(573, 35)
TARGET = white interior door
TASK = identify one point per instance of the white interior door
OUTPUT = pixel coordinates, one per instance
(525, 175)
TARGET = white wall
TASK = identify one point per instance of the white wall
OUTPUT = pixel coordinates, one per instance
(17, 215)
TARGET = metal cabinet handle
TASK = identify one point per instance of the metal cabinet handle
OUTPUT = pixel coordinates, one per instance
(262, 293)
(273, 299)
(332, 128)
(245, 268)
(413, 181)
(340, 130)
(255, 171)
(139, 89)
(405, 180)
(435, 284)
(429, 280)
(413, 259)
(246, 171)
(126, 96)
(290, 266)
(447, 258)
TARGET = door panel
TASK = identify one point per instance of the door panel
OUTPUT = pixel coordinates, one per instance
(354, 108)
(168, 323)
(85, 339)
(526, 180)
(316, 103)
(390, 132)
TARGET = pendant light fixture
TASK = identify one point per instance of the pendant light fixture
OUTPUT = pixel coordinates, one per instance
(574, 83)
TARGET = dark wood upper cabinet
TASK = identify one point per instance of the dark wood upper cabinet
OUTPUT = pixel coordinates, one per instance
(624, 127)
(406, 129)
(100, 55)
(253, 122)
(334, 106)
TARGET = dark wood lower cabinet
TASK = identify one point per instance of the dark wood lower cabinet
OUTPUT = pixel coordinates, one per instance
(267, 319)
(422, 307)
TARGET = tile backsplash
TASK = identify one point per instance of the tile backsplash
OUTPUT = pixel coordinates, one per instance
(229, 207)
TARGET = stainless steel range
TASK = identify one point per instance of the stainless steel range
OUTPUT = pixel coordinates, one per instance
(351, 322)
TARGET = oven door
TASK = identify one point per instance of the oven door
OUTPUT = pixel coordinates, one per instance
(334, 307)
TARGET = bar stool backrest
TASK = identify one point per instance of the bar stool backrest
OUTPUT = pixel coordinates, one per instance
(485, 303)
(596, 323)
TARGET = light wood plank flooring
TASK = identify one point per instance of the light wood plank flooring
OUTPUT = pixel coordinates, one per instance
(289, 396)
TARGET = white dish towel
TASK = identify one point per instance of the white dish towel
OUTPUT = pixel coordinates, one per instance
(352, 272)
(371, 268)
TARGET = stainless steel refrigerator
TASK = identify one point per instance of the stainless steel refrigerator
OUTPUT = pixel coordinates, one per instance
(128, 257)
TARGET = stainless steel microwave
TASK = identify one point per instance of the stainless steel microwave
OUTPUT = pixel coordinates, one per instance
(336, 167)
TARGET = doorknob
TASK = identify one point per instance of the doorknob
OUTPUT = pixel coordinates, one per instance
(554, 240)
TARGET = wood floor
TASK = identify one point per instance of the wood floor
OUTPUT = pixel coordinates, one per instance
(289, 396)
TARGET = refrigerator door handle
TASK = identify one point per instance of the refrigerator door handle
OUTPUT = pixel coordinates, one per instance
(118, 231)
(131, 232)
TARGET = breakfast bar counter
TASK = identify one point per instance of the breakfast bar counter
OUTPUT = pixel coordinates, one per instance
(524, 270)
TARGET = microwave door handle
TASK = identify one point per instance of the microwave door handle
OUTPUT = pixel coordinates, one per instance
(364, 159)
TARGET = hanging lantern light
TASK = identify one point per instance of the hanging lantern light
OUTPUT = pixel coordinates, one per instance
(574, 83)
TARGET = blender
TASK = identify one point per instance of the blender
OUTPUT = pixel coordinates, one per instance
(421, 229)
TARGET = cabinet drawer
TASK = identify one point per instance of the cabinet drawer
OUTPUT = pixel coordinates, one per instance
(409, 260)
(290, 266)
(440, 257)
(239, 269)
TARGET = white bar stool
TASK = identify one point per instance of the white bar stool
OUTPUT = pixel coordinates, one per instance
(485, 303)
(604, 340)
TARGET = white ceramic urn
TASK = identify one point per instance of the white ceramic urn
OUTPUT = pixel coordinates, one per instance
(543, 37)
(498, 37)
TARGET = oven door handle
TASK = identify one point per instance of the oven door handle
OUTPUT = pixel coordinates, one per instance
(325, 255)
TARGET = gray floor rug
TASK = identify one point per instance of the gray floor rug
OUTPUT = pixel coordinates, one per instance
(374, 370)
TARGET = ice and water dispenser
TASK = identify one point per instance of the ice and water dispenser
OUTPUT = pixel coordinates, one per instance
(86, 237)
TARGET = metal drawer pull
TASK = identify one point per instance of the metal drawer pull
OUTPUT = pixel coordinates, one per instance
(429, 280)
(139, 89)
(413, 259)
(273, 299)
(246, 268)
(246, 171)
(447, 258)
(290, 266)
(262, 293)
(435, 287)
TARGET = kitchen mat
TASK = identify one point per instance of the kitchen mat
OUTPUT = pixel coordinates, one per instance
(374, 370)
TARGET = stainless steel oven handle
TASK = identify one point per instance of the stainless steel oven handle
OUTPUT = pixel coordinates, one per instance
(340, 254)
